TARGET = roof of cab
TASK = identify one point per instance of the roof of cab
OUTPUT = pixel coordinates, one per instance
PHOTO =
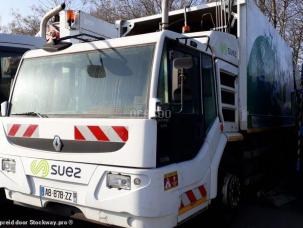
(110, 43)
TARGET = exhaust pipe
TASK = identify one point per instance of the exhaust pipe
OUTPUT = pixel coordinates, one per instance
(48, 16)
(164, 24)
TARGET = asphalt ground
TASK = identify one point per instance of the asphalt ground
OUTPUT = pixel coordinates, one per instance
(256, 211)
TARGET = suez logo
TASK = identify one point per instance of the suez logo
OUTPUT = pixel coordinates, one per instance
(42, 168)
(225, 50)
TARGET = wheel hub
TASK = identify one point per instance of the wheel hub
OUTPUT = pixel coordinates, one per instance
(231, 191)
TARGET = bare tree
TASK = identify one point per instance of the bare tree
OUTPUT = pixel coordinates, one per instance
(262, 6)
(274, 13)
(287, 17)
(112, 10)
(28, 25)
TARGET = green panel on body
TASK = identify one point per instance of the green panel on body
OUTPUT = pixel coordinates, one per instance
(268, 87)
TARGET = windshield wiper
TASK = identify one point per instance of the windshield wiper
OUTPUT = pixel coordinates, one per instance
(31, 114)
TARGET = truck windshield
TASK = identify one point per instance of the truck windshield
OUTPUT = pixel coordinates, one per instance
(105, 83)
(9, 61)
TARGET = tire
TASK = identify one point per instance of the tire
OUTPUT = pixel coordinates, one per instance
(230, 191)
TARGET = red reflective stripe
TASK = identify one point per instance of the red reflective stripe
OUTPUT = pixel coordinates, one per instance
(14, 129)
(122, 132)
(78, 135)
(191, 196)
(202, 191)
(30, 130)
(98, 133)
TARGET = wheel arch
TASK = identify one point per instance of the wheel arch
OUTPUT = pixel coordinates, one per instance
(215, 164)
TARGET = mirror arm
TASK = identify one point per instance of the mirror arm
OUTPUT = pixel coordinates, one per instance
(182, 79)
(181, 76)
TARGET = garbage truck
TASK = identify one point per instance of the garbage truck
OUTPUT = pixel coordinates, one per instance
(150, 128)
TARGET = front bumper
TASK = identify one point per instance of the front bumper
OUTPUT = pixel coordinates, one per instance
(145, 205)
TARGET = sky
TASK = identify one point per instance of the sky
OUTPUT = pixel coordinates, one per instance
(24, 7)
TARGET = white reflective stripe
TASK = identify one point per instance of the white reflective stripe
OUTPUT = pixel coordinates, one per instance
(111, 134)
(21, 130)
(197, 193)
(9, 126)
(185, 200)
(87, 134)
(35, 133)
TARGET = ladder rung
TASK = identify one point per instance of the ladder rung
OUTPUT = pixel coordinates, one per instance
(228, 89)
(228, 106)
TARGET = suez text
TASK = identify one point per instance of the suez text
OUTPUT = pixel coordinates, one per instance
(65, 171)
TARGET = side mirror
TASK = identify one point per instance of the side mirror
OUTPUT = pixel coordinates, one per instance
(183, 63)
(4, 107)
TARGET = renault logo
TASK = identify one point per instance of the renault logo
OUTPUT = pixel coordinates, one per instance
(57, 143)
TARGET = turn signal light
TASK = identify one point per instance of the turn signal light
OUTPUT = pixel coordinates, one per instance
(185, 29)
(70, 17)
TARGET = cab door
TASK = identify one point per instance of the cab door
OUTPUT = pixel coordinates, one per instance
(181, 131)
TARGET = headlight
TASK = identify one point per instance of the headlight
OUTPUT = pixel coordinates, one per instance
(118, 181)
(9, 165)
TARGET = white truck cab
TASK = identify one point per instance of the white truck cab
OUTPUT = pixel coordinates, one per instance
(65, 145)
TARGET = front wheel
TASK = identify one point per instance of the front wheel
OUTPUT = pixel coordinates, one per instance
(231, 191)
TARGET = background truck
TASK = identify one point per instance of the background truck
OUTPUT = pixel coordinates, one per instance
(147, 129)
(12, 47)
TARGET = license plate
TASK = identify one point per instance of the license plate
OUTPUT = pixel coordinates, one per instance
(58, 194)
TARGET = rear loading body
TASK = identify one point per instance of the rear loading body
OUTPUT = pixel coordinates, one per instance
(266, 61)
(145, 130)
